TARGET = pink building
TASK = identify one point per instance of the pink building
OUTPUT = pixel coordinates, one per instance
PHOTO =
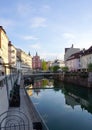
(36, 62)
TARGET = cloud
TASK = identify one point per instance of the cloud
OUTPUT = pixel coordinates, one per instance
(83, 43)
(45, 8)
(38, 22)
(6, 23)
(29, 38)
(82, 40)
(69, 39)
(60, 55)
(24, 9)
(51, 55)
(69, 36)
(36, 46)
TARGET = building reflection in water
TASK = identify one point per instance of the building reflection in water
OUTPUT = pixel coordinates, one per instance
(43, 83)
(73, 100)
(75, 95)
(29, 90)
(40, 84)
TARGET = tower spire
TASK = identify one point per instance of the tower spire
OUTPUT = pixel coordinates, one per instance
(36, 54)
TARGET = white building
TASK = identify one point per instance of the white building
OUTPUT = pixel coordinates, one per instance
(59, 63)
(73, 62)
(86, 58)
(69, 52)
(80, 60)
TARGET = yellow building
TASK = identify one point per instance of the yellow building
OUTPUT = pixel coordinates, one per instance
(26, 61)
(4, 48)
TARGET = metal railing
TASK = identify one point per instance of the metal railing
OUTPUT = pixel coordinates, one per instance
(14, 120)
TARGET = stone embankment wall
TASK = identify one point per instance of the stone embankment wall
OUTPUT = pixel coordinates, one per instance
(75, 79)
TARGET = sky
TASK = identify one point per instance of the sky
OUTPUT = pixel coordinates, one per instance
(47, 26)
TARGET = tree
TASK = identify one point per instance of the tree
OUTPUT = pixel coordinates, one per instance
(44, 65)
(51, 68)
(90, 67)
(44, 83)
(65, 69)
(55, 68)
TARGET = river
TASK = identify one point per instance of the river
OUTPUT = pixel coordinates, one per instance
(62, 106)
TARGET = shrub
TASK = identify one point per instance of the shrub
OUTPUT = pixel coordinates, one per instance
(65, 69)
(90, 67)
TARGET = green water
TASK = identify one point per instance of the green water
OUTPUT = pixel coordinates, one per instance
(64, 106)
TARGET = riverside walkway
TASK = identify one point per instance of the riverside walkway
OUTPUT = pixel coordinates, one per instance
(24, 117)
(27, 108)
(23, 107)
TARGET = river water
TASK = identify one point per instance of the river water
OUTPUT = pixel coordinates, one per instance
(62, 106)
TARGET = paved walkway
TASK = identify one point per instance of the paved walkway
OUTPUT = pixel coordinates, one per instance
(27, 107)
(23, 117)
(23, 108)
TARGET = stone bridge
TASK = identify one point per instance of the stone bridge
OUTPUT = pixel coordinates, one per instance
(33, 75)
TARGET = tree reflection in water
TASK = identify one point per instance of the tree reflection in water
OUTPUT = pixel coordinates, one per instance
(59, 101)
(75, 95)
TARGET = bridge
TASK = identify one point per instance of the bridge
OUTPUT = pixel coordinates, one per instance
(41, 74)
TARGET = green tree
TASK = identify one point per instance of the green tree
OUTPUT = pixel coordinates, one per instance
(51, 68)
(65, 69)
(55, 68)
(44, 65)
(90, 67)
(44, 83)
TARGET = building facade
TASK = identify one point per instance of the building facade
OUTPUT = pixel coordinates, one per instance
(4, 49)
(86, 58)
(12, 56)
(59, 63)
(80, 60)
(36, 62)
(73, 62)
(26, 61)
(18, 64)
(69, 52)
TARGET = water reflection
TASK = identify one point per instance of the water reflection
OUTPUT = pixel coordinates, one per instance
(29, 90)
(74, 95)
(64, 103)
(43, 83)
(39, 84)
